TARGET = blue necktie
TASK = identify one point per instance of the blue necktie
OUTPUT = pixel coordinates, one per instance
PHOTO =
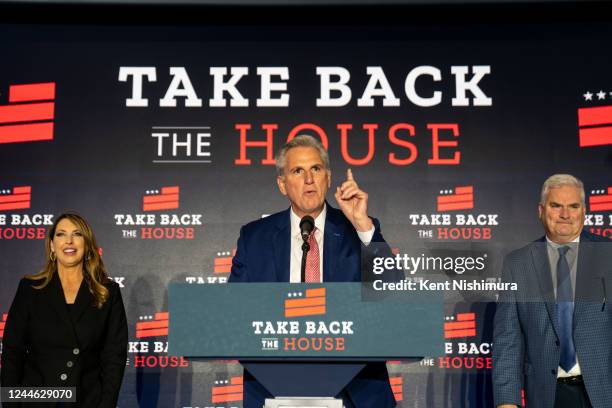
(565, 311)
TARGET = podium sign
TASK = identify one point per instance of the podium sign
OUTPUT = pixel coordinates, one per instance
(312, 321)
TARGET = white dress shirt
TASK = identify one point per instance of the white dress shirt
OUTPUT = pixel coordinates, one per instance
(295, 274)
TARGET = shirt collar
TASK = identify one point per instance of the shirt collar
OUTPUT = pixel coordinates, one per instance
(557, 246)
(319, 222)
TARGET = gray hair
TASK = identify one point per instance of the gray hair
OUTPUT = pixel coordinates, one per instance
(299, 141)
(560, 180)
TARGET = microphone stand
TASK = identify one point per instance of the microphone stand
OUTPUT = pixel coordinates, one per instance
(305, 249)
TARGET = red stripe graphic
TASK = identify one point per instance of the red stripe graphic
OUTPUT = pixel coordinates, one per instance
(602, 207)
(397, 387)
(160, 198)
(455, 198)
(153, 328)
(32, 92)
(464, 190)
(151, 333)
(26, 113)
(461, 199)
(463, 326)
(602, 202)
(228, 393)
(451, 334)
(14, 198)
(599, 115)
(15, 206)
(223, 264)
(462, 317)
(2, 324)
(19, 199)
(598, 136)
(459, 325)
(32, 132)
(313, 303)
(227, 389)
(167, 200)
(22, 189)
(600, 198)
(227, 397)
(154, 324)
(170, 190)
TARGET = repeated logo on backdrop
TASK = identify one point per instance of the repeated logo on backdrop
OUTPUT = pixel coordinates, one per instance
(600, 203)
(449, 223)
(14, 223)
(222, 266)
(397, 386)
(150, 350)
(223, 262)
(595, 120)
(158, 326)
(163, 226)
(461, 350)
(461, 353)
(2, 324)
(17, 198)
(229, 390)
(29, 115)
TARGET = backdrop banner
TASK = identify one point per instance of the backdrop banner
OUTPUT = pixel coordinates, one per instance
(163, 137)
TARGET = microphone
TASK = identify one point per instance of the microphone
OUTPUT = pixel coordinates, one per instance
(306, 227)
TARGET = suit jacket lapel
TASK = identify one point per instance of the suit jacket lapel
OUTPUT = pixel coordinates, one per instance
(281, 243)
(84, 299)
(589, 274)
(334, 233)
(588, 271)
(58, 302)
(542, 268)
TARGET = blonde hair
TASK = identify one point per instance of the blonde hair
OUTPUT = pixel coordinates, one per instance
(94, 271)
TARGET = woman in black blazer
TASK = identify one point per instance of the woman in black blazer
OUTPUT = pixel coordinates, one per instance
(66, 326)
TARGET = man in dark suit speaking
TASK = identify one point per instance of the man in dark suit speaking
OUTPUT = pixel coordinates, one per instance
(553, 335)
(269, 250)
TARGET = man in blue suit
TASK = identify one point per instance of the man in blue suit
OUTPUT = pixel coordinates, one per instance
(553, 335)
(269, 250)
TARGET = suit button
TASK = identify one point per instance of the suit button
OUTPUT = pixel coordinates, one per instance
(76, 351)
(63, 377)
(69, 364)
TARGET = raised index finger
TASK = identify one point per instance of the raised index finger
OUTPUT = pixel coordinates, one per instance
(349, 175)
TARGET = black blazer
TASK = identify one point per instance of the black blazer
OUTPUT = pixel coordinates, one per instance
(42, 346)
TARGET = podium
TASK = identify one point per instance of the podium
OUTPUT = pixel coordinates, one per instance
(303, 342)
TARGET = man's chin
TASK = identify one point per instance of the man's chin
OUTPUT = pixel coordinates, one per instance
(566, 237)
(312, 210)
